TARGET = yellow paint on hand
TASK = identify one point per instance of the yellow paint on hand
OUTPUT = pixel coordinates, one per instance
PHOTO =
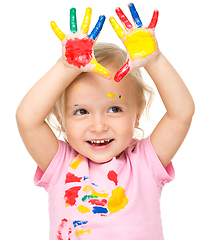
(82, 232)
(66, 205)
(118, 200)
(57, 31)
(75, 162)
(140, 43)
(77, 86)
(97, 68)
(83, 209)
(120, 32)
(86, 20)
(111, 95)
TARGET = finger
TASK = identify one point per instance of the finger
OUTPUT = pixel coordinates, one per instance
(123, 18)
(86, 20)
(122, 72)
(73, 20)
(117, 28)
(97, 68)
(57, 31)
(95, 32)
(135, 15)
(154, 20)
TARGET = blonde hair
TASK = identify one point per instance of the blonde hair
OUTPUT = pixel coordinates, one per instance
(108, 55)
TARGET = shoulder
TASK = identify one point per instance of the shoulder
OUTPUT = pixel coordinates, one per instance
(142, 154)
(57, 166)
(138, 146)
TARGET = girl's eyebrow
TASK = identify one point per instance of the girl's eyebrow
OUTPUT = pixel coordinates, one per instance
(72, 106)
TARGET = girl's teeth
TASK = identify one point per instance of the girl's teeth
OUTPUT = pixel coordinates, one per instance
(100, 141)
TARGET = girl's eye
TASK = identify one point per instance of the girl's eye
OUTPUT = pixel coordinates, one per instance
(81, 112)
(114, 110)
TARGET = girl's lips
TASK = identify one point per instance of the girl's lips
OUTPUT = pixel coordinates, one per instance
(100, 144)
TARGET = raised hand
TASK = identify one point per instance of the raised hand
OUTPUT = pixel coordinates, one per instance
(78, 46)
(139, 41)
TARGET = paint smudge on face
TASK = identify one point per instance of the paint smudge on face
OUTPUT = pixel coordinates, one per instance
(79, 51)
(118, 200)
(99, 210)
(71, 194)
(112, 176)
(83, 209)
(79, 223)
(61, 227)
(140, 43)
(97, 202)
(75, 105)
(122, 72)
(83, 232)
(70, 177)
(75, 162)
(111, 95)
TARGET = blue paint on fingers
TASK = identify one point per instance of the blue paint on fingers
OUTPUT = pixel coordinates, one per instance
(135, 15)
(95, 32)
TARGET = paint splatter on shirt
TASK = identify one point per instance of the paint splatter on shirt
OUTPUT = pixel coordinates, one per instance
(90, 200)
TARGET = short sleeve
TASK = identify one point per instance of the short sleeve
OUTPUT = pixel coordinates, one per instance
(152, 163)
(51, 176)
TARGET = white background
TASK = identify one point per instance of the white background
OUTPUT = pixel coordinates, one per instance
(29, 48)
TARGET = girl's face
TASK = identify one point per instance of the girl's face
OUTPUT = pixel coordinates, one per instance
(100, 116)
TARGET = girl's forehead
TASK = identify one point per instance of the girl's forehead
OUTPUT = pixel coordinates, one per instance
(91, 87)
(91, 81)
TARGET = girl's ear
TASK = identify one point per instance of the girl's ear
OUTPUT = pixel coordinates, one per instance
(139, 113)
(59, 120)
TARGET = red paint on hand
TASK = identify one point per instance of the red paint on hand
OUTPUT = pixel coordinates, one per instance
(122, 72)
(70, 177)
(79, 51)
(154, 20)
(123, 18)
(112, 176)
(71, 194)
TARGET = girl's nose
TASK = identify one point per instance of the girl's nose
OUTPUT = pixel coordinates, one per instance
(98, 125)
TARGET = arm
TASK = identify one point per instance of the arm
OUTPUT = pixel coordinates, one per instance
(172, 129)
(37, 136)
(143, 51)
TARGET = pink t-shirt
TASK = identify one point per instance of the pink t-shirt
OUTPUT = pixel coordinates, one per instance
(118, 200)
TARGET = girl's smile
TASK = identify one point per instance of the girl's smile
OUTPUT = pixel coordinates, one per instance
(100, 144)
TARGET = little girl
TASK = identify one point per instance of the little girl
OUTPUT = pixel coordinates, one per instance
(102, 183)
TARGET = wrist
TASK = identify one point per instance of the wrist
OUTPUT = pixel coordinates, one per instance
(68, 69)
(154, 59)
